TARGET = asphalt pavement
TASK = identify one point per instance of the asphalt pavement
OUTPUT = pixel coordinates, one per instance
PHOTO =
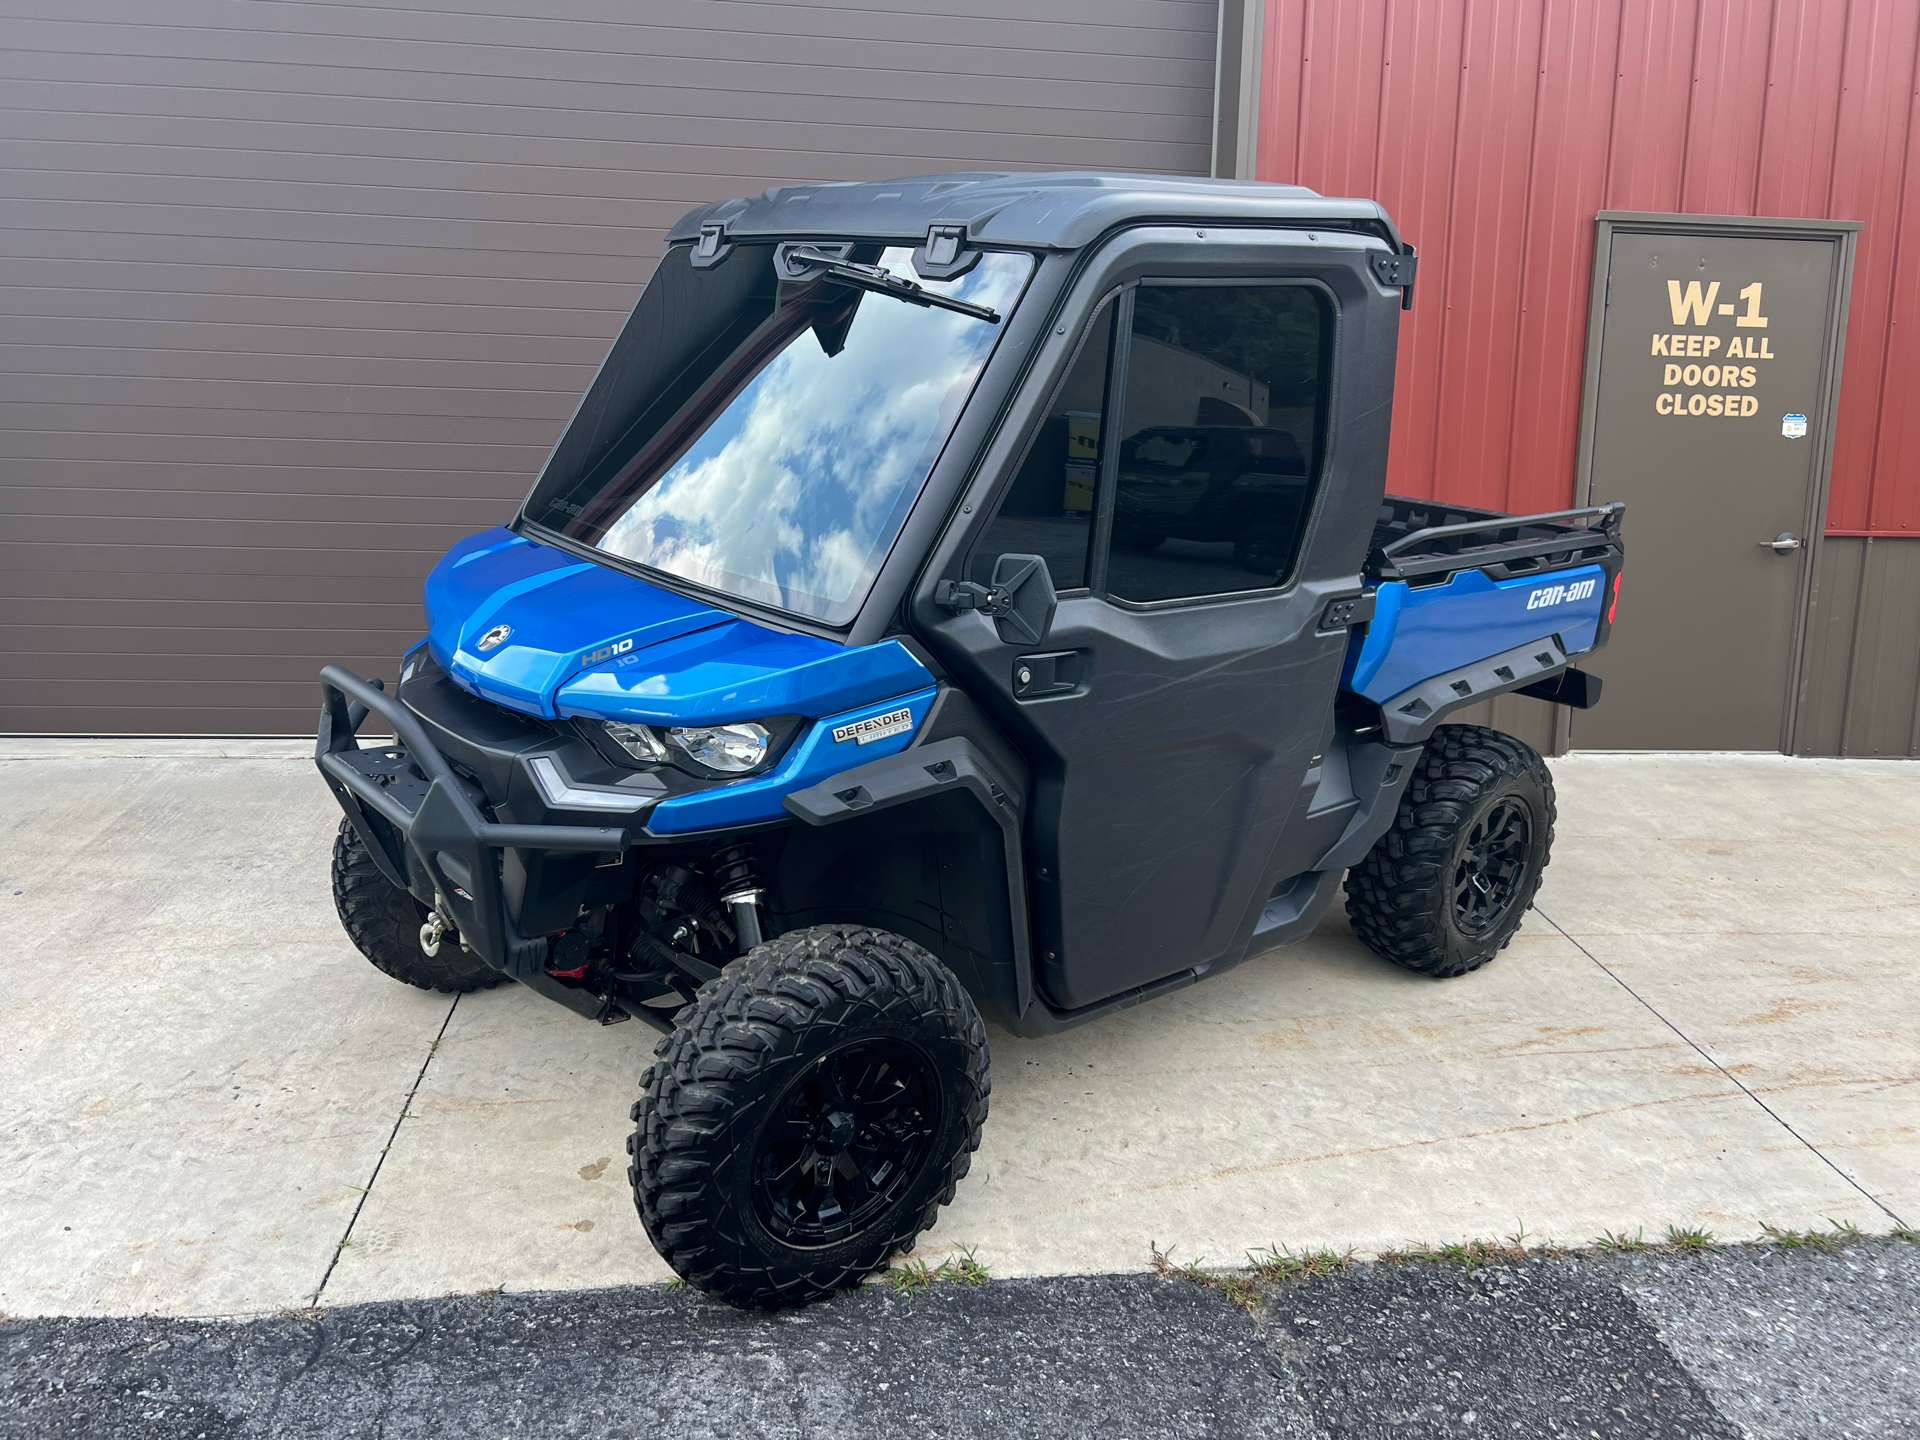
(1754, 1343)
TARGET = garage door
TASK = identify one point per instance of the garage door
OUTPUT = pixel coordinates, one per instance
(295, 294)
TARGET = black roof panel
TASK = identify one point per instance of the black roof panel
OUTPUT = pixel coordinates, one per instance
(1055, 209)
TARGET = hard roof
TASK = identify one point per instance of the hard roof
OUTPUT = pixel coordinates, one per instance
(1056, 209)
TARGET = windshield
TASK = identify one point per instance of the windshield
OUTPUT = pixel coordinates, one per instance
(766, 438)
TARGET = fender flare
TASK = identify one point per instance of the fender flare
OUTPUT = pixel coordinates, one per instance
(916, 774)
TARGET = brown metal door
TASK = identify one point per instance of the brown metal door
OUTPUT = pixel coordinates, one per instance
(1708, 422)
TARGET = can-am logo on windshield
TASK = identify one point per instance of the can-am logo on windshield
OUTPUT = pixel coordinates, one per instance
(1561, 594)
(493, 638)
(876, 728)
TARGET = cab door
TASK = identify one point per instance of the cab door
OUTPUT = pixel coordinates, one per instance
(1184, 692)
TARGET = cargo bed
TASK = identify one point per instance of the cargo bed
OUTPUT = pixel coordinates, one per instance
(1471, 603)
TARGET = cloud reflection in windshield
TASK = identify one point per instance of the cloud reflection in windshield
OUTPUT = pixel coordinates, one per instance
(803, 481)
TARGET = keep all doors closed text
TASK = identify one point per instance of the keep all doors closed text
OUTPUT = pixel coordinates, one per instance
(1707, 374)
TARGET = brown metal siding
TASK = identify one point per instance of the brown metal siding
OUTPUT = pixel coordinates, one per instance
(1860, 687)
(292, 295)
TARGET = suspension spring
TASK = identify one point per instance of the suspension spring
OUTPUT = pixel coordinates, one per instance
(738, 879)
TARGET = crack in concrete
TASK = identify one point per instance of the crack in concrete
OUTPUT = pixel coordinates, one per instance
(394, 1134)
(1732, 1078)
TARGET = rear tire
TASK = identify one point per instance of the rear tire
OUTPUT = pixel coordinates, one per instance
(809, 1116)
(384, 921)
(1445, 888)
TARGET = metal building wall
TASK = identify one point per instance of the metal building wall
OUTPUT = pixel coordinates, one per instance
(1495, 130)
(294, 294)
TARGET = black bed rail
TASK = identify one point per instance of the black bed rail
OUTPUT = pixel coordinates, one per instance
(1503, 545)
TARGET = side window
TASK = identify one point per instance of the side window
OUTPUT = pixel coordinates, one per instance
(1220, 438)
(1048, 509)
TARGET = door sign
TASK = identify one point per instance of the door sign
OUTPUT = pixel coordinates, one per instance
(1711, 363)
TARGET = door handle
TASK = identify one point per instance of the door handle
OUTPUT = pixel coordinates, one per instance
(1784, 543)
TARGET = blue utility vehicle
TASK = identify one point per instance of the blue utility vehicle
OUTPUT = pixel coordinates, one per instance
(963, 598)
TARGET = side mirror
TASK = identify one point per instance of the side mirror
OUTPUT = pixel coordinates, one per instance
(1020, 601)
(1028, 599)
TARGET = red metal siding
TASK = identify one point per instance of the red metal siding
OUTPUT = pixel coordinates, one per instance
(1494, 130)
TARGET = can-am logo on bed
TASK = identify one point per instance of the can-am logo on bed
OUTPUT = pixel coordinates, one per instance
(1561, 594)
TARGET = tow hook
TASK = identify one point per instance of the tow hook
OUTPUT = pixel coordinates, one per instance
(431, 933)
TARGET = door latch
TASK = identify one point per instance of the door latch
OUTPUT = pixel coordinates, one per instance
(1785, 543)
(1058, 672)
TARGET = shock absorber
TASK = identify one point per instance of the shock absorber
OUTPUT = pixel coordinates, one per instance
(739, 883)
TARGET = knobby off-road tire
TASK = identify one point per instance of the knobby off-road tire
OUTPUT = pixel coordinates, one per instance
(384, 921)
(835, 1045)
(1445, 888)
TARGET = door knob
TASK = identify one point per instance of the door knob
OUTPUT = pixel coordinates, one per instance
(1783, 544)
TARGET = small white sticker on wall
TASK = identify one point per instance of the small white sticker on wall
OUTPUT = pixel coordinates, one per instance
(1794, 427)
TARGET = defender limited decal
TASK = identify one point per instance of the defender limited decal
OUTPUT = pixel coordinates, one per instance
(1561, 594)
(877, 727)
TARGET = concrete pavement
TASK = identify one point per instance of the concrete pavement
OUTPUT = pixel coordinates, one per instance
(1710, 1021)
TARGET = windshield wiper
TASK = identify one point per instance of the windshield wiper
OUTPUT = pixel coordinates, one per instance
(884, 282)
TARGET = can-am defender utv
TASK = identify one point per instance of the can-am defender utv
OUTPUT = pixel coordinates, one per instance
(963, 596)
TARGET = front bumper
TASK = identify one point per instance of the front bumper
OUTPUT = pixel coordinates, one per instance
(426, 827)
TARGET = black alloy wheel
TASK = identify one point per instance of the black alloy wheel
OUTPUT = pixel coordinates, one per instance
(1492, 864)
(809, 1115)
(1445, 888)
(845, 1141)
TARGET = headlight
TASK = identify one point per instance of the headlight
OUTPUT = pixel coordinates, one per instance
(713, 752)
(728, 749)
(639, 741)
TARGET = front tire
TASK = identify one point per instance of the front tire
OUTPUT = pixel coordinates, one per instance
(1445, 888)
(809, 1115)
(384, 921)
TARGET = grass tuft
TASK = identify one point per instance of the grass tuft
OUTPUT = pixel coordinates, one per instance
(1678, 1239)
(1469, 1255)
(1901, 1232)
(1278, 1264)
(1239, 1288)
(916, 1277)
(968, 1270)
(1843, 1231)
(1608, 1243)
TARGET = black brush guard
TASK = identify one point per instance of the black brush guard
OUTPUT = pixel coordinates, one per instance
(405, 798)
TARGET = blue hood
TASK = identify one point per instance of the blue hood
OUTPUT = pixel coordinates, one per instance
(585, 639)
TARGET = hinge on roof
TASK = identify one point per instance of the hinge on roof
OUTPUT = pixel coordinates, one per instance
(945, 255)
(711, 248)
(1397, 270)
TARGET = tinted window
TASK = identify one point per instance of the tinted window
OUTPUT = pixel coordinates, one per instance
(768, 441)
(1048, 509)
(1220, 438)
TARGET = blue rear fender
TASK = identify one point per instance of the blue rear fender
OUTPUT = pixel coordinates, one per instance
(1419, 632)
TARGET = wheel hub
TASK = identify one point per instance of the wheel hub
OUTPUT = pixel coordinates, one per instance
(1491, 866)
(836, 1132)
